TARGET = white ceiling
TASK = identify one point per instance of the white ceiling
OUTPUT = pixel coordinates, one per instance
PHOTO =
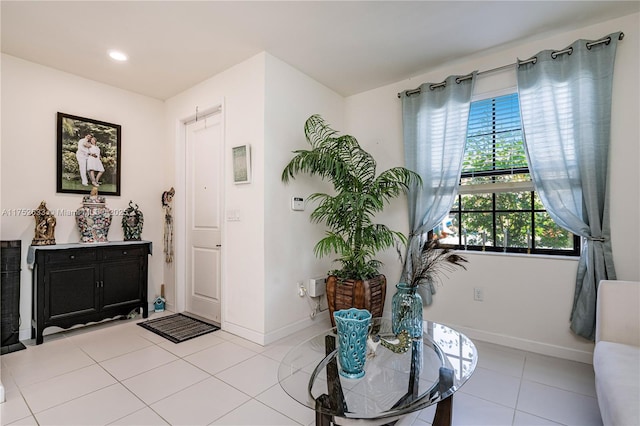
(348, 46)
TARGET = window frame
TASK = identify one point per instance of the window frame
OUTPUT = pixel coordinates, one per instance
(575, 251)
(494, 188)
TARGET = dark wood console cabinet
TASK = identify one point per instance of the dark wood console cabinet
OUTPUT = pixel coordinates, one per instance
(80, 283)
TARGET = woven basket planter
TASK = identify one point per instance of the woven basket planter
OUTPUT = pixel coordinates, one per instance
(368, 294)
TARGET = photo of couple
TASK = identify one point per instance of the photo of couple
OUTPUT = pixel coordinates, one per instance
(88, 155)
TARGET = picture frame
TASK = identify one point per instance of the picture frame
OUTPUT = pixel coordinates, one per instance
(241, 164)
(98, 162)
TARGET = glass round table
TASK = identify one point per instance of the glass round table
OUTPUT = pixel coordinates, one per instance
(398, 379)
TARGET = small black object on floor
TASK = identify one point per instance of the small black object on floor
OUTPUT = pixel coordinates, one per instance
(7, 349)
(178, 327)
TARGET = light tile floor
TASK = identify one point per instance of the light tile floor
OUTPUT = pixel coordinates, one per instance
(117, 373)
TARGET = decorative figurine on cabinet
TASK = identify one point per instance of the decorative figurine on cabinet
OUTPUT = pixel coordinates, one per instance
(45, 226)
(93, 218)
(132, 223)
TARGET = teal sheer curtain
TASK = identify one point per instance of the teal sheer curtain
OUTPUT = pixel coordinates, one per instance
(565, 102)
(434, 128)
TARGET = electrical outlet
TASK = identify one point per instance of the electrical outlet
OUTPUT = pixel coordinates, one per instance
(302, 290)
(478, 294)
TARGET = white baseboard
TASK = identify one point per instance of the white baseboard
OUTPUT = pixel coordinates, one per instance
(265, 339)
(24, 334)
(527, 345)
(288, 330)
(243, 332)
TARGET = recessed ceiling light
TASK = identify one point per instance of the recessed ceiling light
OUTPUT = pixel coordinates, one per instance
(117, 56)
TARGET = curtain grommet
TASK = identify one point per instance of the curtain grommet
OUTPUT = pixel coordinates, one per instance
(556, 53)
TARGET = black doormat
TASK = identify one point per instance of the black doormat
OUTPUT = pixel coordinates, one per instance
(178, 327)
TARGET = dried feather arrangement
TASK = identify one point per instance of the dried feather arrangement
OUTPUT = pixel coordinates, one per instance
(428, 264)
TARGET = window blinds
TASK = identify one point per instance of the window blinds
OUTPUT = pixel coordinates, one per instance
(494, 159)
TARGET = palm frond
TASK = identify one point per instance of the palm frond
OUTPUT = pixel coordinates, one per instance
(360, 195)
(317, 131)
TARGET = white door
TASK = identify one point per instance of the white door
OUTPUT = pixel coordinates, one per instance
(204, 160)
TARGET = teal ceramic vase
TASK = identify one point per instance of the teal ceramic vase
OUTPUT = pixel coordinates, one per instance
(406, 311)
(353, 328)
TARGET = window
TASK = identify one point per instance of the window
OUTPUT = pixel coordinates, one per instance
(497, 208)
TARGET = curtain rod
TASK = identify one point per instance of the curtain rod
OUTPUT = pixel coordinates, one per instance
(533, 60)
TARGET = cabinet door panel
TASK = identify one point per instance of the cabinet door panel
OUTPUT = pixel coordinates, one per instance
(71, 291)
(121, 283)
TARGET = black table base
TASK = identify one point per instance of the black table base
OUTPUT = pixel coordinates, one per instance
(335, 402)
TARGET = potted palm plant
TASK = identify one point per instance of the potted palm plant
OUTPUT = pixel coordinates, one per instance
(349, 213)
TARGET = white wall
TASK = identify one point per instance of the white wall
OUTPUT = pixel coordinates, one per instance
(241, 91)
(291, 98)
(527, 299)
(265, 103)
(31, 97)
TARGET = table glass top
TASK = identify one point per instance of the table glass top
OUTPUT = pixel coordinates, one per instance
(434, 368)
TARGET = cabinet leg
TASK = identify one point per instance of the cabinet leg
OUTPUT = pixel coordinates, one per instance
(145, 311)
(36, 332)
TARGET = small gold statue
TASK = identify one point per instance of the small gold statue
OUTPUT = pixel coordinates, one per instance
(45, 226)
(94, 194)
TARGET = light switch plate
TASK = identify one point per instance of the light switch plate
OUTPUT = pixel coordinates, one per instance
(233, 215)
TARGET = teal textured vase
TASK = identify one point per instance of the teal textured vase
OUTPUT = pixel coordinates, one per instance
(406, 311)
(353, 328)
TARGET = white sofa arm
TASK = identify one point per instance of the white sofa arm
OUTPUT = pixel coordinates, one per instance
(618, 312)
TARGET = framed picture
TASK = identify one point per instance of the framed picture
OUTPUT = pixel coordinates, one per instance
(241, 164)
(88, 155)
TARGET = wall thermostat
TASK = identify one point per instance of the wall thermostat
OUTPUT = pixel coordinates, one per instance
(297, 203)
